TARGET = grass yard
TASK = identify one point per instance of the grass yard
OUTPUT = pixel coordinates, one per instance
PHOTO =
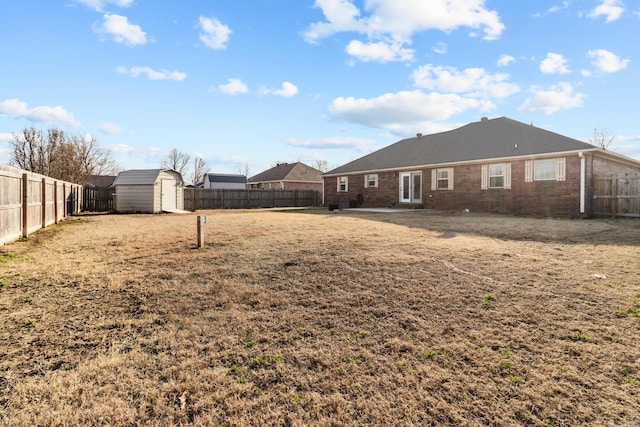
(294, 317)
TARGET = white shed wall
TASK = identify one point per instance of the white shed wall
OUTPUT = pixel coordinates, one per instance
(137, 198)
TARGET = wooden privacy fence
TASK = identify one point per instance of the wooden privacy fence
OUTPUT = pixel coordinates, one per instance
(205, 198)
(98, 199)
(617, 196)
(30, 201)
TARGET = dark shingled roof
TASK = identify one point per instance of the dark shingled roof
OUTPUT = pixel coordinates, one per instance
(229, 178)
(486, 139)
(288, 172)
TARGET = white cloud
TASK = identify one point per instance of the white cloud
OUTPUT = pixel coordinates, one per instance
(112, 129)
(612, 10)
(557, 8)
(121, 30)
(391, 20)
(379, 51)
(403, 112)
(627, 146)
(360, 144)
(121, 148)
(440, 48)
(99, 5)
(287, 90)
(152, 74)
(475, 82)
(505, 60)
(607, 62)
(233, 87)
(558, 97)
(51, 115)
(214, 34)
(554, 63)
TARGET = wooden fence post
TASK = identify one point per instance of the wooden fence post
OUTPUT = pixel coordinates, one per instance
(44, 202)
(55, 202)
(25, 205)
(614, 196)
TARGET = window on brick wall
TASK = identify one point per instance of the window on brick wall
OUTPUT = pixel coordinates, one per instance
(496, 175)
(343, 184)
(545, 170)
(371, 181)
(442, 179)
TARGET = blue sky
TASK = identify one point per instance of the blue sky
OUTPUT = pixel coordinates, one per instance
(249, 83)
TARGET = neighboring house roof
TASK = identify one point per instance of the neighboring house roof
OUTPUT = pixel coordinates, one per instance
(289, 172)
(141, 176)
(487, 139)
(100, 180)
(230, 178)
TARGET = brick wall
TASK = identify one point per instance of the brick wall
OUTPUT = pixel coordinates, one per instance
(559, 199)
(385, 195)
(605, 167)
(537, 198)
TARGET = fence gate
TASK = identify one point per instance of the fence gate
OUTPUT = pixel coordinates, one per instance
(617, 196)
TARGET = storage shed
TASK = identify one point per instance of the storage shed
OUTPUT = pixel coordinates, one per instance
(149, 191)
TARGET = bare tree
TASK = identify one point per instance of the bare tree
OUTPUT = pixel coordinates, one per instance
(321, 165)
(200, 168)
(601, 138)
(177, 160)
(244, 171)
(68, 157)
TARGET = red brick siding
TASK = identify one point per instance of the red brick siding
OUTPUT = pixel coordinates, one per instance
(537, 198)
(605, 167)
(386, 194)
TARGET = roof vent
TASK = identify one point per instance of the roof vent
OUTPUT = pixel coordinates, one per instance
(418, 135)
(484, 119)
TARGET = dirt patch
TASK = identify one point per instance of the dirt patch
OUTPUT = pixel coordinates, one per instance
(321, 318)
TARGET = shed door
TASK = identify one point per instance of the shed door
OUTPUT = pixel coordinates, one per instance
(168, 200)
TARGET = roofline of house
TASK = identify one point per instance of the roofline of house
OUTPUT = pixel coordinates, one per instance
(487, 160)
(284, 180)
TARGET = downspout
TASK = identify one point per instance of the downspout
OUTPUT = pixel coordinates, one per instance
(582, 181)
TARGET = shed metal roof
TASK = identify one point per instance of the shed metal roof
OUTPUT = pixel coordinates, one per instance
(141, 176)
(487, 139)
(230, 178)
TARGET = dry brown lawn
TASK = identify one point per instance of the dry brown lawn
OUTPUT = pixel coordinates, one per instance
(322, 318)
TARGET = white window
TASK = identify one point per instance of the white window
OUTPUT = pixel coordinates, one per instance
(343, 184)
(442, 179)
(545, 170)
(371, 181)
(411, 187)
(496, 175)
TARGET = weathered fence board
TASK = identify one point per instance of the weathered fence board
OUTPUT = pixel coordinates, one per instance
(30, 201)
(616, 196)
(205, 198)
(98, 199)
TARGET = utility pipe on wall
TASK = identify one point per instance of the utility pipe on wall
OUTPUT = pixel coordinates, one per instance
(582, 181)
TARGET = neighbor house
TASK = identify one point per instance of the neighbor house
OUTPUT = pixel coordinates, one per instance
(494, 166)
(288, 176)
(221, 181)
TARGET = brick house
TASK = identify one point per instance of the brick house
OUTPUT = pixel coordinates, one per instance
(493, 166)
(288, 176)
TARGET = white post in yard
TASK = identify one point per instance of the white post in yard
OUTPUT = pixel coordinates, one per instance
(201, 221)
